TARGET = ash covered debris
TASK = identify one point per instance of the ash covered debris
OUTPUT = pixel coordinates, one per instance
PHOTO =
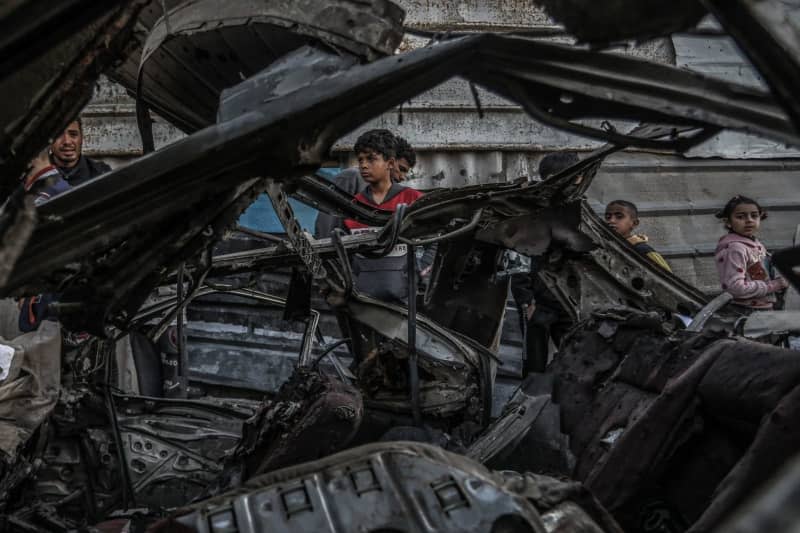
(641, 419)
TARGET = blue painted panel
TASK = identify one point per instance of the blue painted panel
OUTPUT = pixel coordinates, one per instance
(261, 216)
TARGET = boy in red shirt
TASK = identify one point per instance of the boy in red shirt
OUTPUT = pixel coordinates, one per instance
(385, 278)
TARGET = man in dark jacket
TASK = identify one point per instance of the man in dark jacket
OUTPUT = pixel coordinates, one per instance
(66, 153)
(542, 316)
(67, 168)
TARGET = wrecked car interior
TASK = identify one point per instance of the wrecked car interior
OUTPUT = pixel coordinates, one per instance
(663, 408)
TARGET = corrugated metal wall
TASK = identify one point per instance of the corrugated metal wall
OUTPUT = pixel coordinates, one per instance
(678, 197)
(677, 194)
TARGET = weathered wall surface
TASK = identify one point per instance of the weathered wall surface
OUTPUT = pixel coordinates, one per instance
(678, 195)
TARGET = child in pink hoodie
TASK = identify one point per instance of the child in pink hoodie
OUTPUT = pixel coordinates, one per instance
(742, 261)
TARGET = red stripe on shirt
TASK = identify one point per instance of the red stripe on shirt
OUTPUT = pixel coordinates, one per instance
(406, 196)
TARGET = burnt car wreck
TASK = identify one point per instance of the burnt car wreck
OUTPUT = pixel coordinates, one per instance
(662, 410)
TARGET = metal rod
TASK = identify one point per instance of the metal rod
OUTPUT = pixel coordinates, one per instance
(128, 494)
(394, 226)
(143, 120)
(182, 302)
(183, 357)
(471, 225)
(329, 349)
(262, 235)
(341, 253)
(312, 323)
(708, 311)
(413, 371)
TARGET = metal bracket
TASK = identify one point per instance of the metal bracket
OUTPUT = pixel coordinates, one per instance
(301, 243)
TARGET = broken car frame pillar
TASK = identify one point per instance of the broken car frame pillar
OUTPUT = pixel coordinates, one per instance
(413, 371)
(183, 356)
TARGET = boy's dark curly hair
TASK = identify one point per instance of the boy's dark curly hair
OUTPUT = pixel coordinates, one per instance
(630, 206)
(405, 151)
(735, 202)
(379, 141)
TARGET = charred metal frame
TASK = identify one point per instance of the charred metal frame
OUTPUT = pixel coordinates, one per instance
(168, 307)
(51, 23)
(451, 349)
(236, 148)
(413, 368)
(361, 30)
(114, 269)
(378, 477)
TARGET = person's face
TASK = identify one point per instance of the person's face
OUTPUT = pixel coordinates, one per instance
(401, 169)
(620, 219)
(66, 148)
(374, 168)
(745, 220)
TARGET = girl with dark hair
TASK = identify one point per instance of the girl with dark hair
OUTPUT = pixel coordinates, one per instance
(743, 263)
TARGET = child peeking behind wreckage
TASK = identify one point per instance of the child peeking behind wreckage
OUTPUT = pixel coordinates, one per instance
(743, 263)
(623, 217)
(385, 278)
(43, 181)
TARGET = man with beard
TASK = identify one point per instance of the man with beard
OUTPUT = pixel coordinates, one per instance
(66, 154)
(67, 167)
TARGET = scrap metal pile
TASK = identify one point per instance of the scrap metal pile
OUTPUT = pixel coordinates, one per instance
(640, 423)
